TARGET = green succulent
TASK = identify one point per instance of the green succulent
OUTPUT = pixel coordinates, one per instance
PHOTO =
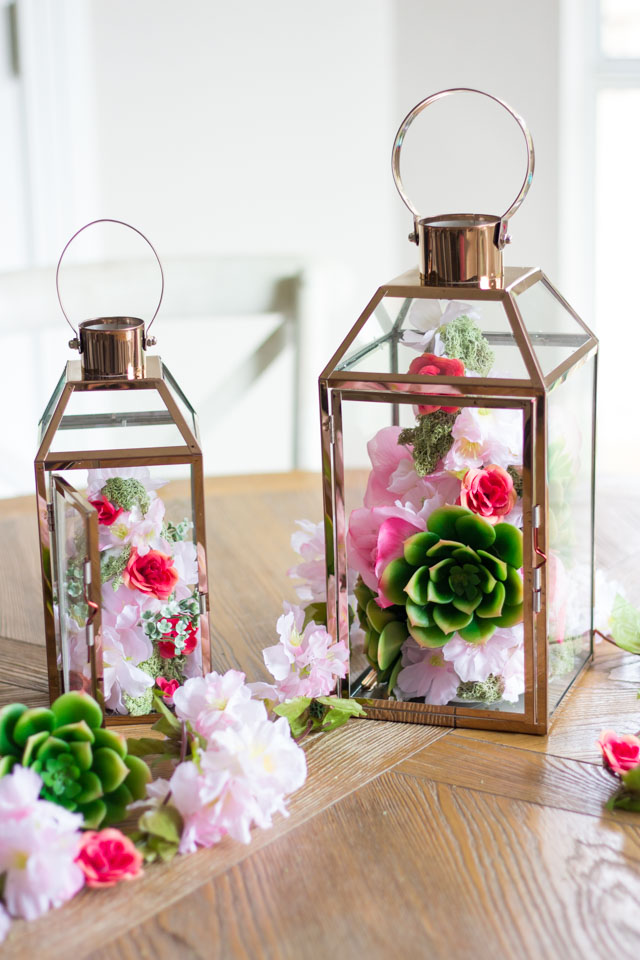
(83, 766)
(459, 576)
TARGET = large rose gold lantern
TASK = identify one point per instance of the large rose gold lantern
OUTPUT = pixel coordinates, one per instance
(458, 464)
(119, 484)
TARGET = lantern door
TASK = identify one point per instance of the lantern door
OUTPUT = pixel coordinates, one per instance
(76, 588)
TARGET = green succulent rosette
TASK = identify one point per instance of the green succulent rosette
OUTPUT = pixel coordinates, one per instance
(83, 766)
(460, 576)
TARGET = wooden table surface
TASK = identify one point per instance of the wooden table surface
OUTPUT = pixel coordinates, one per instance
(405, 839)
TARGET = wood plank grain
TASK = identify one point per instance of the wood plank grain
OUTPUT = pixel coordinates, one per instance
(600, 700)
(23, 665)
(405, 867)
(337, 765)
(519, 774)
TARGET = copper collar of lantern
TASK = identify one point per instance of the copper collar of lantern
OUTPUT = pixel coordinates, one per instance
(458, 435)
(120, 493)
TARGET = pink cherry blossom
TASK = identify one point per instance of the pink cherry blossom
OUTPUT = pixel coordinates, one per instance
(427, 674)
(124, 646)
(241, 779)
(216, 701)
(483, 435)
(185, 562)
(513, 675)
(39, 841)
(475, 661)
(306, 661)
(308, 543)
(426, 317)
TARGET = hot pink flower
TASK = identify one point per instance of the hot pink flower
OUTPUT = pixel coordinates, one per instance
(370, 548)
(108, 513)
(168, 688)
(429, 365)
(167, 648)
(488, 492)
(107, 856)
(621, 752)
(152, 573)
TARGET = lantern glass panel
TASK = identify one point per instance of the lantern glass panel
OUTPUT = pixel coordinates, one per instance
(570, 528)
(400, 329)
(379, 475)
(554, 331)
(116, 420)
(45, 420)
(181, 401)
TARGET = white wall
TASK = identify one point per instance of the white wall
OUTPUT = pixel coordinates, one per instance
(266, 129)
(473, 152)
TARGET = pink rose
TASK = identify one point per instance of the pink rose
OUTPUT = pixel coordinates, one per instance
(429, 365)
(489, 492)
(108, 513)
(167, 648)
(151, 573)
(168, 688)
(107, 856)
(620, 752)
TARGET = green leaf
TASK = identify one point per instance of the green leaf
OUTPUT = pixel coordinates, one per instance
(110, 738)
(443, 521)
(351, 708)
(292, 709)
(172, 722)
(110, 767)
(164, 822)
(394, 579)
(631, 780)
(316, 612)
(625, 625)
(151, 746)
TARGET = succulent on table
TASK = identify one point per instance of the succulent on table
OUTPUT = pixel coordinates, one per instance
(459, 576)
(83, 766)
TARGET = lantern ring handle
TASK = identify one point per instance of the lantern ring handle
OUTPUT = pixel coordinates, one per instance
(121, 223)
(411, 116)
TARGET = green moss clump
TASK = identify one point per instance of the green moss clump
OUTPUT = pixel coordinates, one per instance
(155, 666)
(486, 691)
(126, 492)
(517, 480)
(463, 339)
(112, 566)
(431, 440)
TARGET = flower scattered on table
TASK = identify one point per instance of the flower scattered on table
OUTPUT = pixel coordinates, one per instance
(106, 857)
(621, 757)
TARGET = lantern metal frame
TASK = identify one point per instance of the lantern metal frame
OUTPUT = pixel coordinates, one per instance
(157, 378)
(338, 384)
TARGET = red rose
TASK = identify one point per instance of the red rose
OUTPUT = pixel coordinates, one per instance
(620, 753)
(151, 573)
(489, 492)
(108, 513)
(428, 365)
(167, 648)
(168, 688)
(107, 856)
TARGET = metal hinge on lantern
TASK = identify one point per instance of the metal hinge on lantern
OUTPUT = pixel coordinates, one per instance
(50, 520)
(332, 429)
(537, 576)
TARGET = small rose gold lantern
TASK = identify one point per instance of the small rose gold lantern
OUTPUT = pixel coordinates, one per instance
(459, 529)
(119, 483)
